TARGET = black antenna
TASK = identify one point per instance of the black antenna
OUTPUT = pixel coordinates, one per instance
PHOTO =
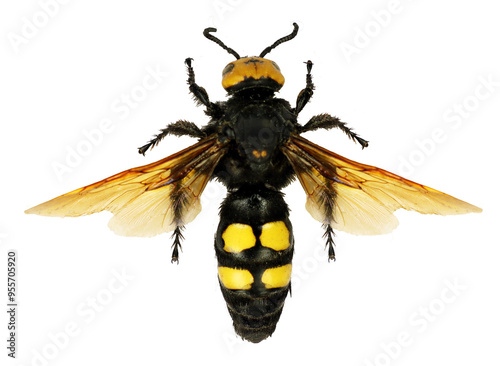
(207, 34)
(281, 40)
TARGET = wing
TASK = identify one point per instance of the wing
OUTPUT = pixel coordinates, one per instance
(357, 198)
(146, 200)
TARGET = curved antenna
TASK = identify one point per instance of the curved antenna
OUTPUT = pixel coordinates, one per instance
(207, 34)
(281, 40)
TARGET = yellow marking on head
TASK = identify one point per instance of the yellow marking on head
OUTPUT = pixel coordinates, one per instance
(235, 279)
(256, 153)
(277, 277)
(255, 68)
(263, 153)
(238, 237)
(275, 235)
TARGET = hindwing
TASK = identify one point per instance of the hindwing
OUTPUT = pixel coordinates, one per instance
(358, 198)
(147, 200)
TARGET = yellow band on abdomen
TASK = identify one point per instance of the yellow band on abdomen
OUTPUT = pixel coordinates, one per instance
(275, 235)
(277, 277)
(238, 237)
(235, 279)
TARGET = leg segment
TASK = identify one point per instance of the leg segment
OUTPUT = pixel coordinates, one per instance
(327, 122)
(179, 128)
(177, 236)
(306, 93)
(329, 234)
(200, 95)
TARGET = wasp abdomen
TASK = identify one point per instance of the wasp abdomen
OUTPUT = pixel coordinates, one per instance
(254, 246)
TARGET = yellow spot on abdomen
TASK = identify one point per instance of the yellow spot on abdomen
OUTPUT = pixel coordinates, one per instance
(235, 279)
(238, 237)
(275, 235)
(277, 277)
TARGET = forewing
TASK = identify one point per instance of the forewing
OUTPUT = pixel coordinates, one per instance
(146, 200)
(358, 198)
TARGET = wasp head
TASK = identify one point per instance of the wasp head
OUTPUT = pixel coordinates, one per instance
(251, 72)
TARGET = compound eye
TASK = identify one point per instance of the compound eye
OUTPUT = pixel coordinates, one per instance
(275, 65)
(227, 69)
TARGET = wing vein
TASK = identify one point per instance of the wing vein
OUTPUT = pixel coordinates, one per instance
(364, 196)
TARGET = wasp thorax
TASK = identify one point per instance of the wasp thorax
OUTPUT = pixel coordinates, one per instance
(252, 72)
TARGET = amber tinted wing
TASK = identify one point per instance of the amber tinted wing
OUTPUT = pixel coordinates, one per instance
(146, 200)
(358, 198)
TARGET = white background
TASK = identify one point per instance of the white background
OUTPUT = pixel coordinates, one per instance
(419, 61)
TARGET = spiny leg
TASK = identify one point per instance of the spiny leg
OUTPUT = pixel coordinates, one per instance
(306, 93)
(200, 95)
(327, 122)
(179, 128)
(177, 236)
(329, 234)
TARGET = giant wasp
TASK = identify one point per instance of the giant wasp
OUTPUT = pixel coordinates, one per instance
(253, 145)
